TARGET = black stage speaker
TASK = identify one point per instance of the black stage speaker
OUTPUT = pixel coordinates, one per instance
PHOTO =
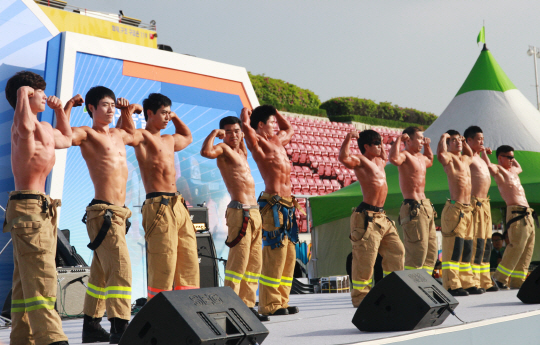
(199, 217)
(530, 290)
(208, 264)
(403, 301)
(72, 284)
(214, 316)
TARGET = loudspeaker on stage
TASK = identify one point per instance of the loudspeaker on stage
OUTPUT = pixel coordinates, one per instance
(530, 290)
(195, 317)
(403, 301)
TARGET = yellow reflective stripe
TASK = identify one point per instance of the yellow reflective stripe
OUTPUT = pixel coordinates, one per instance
(450, 265)
(33, 303)
(504, 270)
(411, 268)
(271, 279)
(234, 280)
(95, 295)
(95, 287)
(33, 299)
(286, 281)
(253, 274)
(121, 288)
(360, 284)
(268, 284)
(234, 273)
(519, 274)
(40, 306)
(464, 267)
(118, 296)
(385, 273)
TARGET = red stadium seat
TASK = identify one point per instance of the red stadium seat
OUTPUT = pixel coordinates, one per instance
(303, 185)
(295, 186)
(316, 150)
(321, 189)
(339, 174)
(347, 181)
(335, 185)
(307, 171)
(328, 186)
(312, 186)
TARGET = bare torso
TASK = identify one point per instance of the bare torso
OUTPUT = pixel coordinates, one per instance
(156, 162)
(105, 156)
(510, 188)
(459, 178)
(412, 176)
(236, 173)
(274, 166)
(32, 159)
(480, 177)
(372, 178)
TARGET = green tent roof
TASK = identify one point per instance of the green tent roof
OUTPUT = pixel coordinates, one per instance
(339, 204)
(486, 75)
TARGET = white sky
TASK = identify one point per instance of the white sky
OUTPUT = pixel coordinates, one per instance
(413, 53)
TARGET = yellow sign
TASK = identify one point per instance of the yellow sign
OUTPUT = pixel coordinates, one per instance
(74, 22)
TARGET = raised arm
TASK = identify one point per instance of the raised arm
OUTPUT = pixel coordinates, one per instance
(428, 153)
(442, 150)
(80, 134)
(345, 157)
(516, 166)
(243, 145)
(250, 134)
(467, 151)
(62, 132)
(125, 122)
(209, 150)
(24, 120)
(74, 102)
(493, 168)
(182, 134)
(396, 157)
(286, 131)
(383, 155)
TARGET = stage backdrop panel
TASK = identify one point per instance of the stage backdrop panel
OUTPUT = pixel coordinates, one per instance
(202, 93)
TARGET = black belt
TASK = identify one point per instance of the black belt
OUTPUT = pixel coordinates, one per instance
(107, 221)
(45, 205)
(522, 214)
(411, 202)
(367, 207)
(156, 194)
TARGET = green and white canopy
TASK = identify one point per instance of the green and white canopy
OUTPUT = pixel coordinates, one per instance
(490, 100)
(487, 99)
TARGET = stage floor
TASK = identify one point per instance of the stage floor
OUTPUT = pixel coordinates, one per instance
(325, 319)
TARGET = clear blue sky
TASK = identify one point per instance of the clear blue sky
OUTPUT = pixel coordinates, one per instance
(414, 53)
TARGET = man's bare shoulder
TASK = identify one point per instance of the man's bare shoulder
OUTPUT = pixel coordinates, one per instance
(45, 125)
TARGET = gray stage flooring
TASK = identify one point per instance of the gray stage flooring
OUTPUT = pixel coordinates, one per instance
(325, 319)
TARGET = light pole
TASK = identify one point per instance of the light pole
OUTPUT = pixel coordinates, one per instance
(535, 53)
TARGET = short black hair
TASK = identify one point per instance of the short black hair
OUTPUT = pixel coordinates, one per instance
(367, 137)
(497, 234)
(19, 79)
(504, 149)
(472, 131)
(261, 113)
(96, 94)
(229, 120)
(411, 131)
(451, 132)
(154, 102)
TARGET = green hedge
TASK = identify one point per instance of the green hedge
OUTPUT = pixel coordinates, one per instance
(374, 121)
(369, 109)
(298, 109)
(285, 96)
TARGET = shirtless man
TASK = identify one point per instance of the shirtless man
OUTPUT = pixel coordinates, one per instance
(243, 217)
(109, 284)
(456, 220)
(31, 215)
(513, 268)
(172, 244)
(371, 231)
(279, 233)
(417, 215)
(481, 182)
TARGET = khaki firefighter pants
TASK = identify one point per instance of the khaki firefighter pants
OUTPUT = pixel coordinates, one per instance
(278, 265)
(33, 231)
(482, 229)
(457, 243)
(376, 234)
(245, 258)
(109, 284)
(419, 235)
(172, 245)
(514, 266)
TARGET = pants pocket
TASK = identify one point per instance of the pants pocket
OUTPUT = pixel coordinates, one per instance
(411, 231)
(235, 221)
(268, 223)
(451, 220)
(29, 239)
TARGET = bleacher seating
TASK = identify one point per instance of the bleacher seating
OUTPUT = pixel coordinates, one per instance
(314, 153)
